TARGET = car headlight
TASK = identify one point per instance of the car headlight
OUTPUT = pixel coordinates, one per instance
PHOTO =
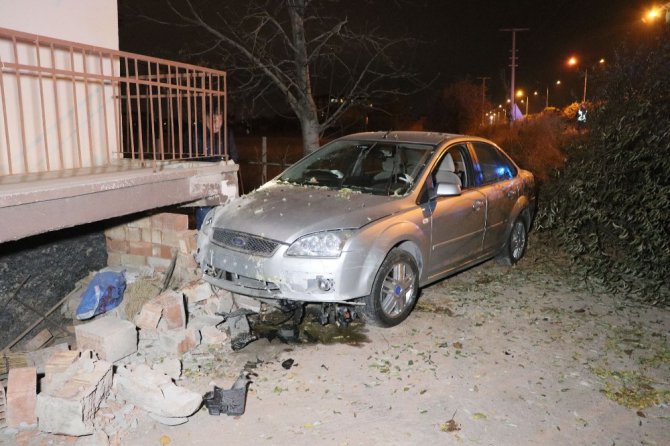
(320, 244)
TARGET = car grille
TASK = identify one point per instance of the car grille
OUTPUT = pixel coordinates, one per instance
(247, 243)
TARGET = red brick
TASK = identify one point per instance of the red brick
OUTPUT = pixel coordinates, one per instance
(157, 221)
(60, 361)
(134, 234)
(174, 313)
(141, 223)
(140, 248)
(179, 341)
(114, 245)
(150, 315)
(188, 241)
(171, 238)
(21, 396)
(116, 233)
(145, 234)
(162, 251)
(175, 222)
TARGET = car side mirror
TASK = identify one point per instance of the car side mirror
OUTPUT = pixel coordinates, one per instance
(448, 190)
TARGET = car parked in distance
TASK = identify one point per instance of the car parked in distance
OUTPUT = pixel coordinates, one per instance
(369, 219)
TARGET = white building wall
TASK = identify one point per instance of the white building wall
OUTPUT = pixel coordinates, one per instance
(67, 122)
(94, 22)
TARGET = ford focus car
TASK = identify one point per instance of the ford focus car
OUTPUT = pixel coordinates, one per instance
(369, 219)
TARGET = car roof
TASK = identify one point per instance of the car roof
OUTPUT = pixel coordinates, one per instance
(434, 138)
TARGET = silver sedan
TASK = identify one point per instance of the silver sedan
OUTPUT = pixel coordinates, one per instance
(369, 219)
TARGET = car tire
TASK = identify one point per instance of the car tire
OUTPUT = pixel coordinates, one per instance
(515, 246)
(394, 290)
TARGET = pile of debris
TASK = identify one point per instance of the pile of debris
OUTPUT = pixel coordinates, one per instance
(127, 362)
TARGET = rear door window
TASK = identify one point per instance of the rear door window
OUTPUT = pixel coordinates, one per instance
(493, 165)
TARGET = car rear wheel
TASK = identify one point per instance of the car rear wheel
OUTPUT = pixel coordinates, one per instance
(394, 290)
(516, 244)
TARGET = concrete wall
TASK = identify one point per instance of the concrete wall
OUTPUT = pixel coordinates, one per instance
(66, 123)
(94, 22)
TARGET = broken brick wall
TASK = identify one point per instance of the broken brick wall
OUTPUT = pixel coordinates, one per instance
(154, 241)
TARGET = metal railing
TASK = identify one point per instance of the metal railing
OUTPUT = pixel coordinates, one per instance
(67, 105)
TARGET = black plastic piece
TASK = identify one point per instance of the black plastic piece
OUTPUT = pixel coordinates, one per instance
(229, 402)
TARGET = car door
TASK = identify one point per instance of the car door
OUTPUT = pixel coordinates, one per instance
(496, 177)
(457, 222)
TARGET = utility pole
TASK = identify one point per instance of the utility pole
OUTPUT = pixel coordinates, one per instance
(513, 66)
(483, 79)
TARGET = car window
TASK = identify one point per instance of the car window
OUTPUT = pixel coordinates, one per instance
(377, 167)
(452, 168)
(493, 165)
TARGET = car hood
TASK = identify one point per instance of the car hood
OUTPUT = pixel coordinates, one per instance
(285, 212)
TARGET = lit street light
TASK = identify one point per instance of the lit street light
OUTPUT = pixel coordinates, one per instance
(573, 61)
(656, 12)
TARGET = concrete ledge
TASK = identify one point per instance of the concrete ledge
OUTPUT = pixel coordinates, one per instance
(41, 202)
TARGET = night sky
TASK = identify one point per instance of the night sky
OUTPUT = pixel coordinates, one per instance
(462, 38)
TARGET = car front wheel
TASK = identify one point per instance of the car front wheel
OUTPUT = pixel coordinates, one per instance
(516, 244)
(394, 290)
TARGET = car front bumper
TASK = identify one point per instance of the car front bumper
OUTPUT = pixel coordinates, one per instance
(346, 277)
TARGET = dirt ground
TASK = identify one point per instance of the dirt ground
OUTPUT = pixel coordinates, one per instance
(493, 356)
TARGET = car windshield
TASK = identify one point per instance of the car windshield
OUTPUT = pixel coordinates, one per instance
(376, 167)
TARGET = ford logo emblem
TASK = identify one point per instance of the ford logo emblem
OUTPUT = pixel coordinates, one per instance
(239, 241)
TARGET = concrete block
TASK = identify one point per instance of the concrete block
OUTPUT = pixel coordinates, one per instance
(113, 259)
(133, 260)
(111, 338)
(180, 341)
(213, 336)
(170, 366)
(69, 404)
(204, 320)
(21, 396)
(197, 291)
(155, 392)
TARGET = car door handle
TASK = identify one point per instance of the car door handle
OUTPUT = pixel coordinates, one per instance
(477, 205)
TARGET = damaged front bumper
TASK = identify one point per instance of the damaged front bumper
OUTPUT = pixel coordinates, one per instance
(278, 276)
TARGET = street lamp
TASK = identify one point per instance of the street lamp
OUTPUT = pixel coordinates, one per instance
(656, 12)
(573, 61)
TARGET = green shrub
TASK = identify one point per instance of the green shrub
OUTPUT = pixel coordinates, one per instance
(610, 206)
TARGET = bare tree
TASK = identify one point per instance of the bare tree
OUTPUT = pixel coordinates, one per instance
(300, 49)
(459, 108)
